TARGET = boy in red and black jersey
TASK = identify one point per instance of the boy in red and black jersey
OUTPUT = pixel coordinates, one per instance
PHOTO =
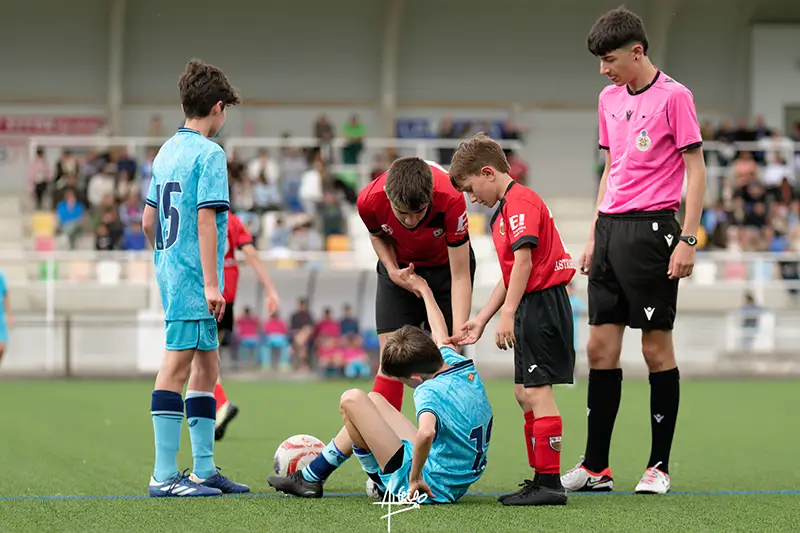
(415, 216)
(535, 311)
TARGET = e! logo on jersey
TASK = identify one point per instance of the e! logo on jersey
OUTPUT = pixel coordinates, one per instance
(387, 228)
(438, 232)
(517, 223)
(463, 222)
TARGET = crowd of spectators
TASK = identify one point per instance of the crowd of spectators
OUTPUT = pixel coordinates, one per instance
(756, 206)
(98, 196)
(334, 346)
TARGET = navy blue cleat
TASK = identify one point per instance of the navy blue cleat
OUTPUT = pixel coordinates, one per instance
(221, 483)
(180, 485)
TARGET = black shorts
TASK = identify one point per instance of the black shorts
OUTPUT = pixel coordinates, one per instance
(628, 282)
(226, 324)
(396, 307)
(544, 353)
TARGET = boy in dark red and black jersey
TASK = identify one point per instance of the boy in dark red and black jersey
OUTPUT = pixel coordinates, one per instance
(415, 216)
(238, 238)
(535, 311)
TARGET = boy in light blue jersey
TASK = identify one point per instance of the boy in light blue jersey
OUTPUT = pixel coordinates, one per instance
(186, 220)
(441, 458)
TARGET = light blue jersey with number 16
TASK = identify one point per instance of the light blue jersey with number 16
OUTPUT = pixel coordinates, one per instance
(190, 173)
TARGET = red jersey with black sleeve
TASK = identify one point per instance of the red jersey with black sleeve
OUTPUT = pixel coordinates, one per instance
(523, 219)
(238, 236)
(445, 224)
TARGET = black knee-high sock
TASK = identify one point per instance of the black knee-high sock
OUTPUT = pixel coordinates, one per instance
(665, 390)
(605, 394)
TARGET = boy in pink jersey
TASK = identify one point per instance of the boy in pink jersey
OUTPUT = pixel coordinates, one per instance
(638, 251)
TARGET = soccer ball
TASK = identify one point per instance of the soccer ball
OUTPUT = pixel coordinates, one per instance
(295, 453)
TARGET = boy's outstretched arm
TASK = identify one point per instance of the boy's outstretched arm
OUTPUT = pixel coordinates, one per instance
(472, 330)
(436, 321)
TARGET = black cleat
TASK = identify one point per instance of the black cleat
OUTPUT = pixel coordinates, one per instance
(533, 492)
(296, 485)
(523, 487)
(230, 414)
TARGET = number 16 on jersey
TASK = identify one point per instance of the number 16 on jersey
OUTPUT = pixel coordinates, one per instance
(172, 216)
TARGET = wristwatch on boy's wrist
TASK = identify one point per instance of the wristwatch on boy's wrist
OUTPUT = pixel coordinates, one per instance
(691, 240)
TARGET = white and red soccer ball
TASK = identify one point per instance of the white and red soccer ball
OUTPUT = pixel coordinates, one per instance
(295, 453)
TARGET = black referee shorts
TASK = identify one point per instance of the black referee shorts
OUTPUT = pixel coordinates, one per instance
(628, 282)
(544, 353)
(396, 307)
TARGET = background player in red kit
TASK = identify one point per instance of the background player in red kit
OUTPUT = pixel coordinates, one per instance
(415, 216)
(238, 238)
(535, 311)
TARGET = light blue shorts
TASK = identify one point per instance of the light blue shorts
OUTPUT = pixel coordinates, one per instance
(192, 335)
(3, 331)
(397, 481)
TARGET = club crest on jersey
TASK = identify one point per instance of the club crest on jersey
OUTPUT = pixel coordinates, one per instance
(471, 376)
(555, 443)
(643, 141)
(438, 232)
(502, 227)
(387, 228)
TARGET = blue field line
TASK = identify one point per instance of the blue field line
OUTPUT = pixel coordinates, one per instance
(363, 495)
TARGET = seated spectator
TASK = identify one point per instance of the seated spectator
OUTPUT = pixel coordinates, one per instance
(354, 357)
(134, 239)
(103, 241)
(280, 235)
(310, 191)
(40, 176)
(110, 219)
(302, 331)
(750, 314)
(293, 165)
(130, 211)
(247, 335)
(332, 215)
(328, 327)
(305, 238)
(263, 166)
(100, 186)
(348, 325)
(266, 196)
(329, 356)
(126, 186)
(276, 335)
(69, 213)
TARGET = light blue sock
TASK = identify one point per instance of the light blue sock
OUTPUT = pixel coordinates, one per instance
(166, 408)
(201, 412)
(367, 460)
(324, 464)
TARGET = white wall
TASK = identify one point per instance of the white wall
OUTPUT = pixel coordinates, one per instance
(776, 70)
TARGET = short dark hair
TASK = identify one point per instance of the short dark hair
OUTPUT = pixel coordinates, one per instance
(616, 29)
(473, 154)
(409, 182)
(410, 351)
(201, 86)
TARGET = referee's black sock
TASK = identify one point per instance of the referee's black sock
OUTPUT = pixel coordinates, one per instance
(665, 390)
(605, 394)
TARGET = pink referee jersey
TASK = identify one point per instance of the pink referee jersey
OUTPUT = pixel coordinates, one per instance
(646, 133)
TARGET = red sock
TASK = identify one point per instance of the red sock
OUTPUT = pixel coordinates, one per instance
(547, 432)
(529, 440)
(219, 395)
(391, 389)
